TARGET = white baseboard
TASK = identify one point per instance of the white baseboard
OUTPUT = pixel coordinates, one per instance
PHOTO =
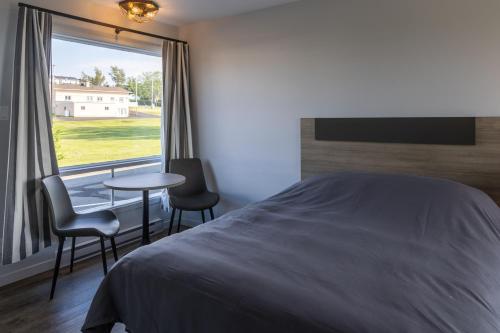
(47, 264)
(26, 272)
(47, 258)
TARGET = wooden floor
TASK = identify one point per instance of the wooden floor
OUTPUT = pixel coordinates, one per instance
(25, 305)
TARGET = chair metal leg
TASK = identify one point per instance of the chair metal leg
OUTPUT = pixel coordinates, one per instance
(203, 216)
(211, 213)
(113, 246)
(145, 218)
(72, 254)
(103, 254)
(56, 268)
(172, 217)
(179, 222)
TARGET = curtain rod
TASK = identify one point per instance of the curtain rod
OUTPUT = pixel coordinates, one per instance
(117, 28)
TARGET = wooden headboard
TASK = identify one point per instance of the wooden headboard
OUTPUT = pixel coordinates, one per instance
(475, 165)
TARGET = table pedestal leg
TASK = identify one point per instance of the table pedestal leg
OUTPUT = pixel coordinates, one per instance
(145, 218)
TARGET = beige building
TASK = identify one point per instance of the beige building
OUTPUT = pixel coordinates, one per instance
(72, 100)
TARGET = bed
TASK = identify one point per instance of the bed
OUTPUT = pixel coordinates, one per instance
(343, 252)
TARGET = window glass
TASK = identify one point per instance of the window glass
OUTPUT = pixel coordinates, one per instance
(130, 82)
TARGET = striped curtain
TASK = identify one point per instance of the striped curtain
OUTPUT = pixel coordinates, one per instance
(176, 136)
(26, 227)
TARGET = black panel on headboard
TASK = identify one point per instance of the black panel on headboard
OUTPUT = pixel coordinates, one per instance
(440, 131)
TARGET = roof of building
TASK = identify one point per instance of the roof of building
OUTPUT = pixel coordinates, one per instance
(76, 87)
(62, 77)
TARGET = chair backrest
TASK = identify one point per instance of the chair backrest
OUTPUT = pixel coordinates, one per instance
(192, 169)
(58, 200)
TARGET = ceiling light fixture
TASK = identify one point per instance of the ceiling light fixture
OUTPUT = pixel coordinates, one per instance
(139, 10)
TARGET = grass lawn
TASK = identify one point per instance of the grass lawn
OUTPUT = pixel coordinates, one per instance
(90, 141)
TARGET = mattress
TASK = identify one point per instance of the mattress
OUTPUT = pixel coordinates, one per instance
(345, 252)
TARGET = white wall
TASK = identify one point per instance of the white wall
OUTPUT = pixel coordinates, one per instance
(8, 21)
(255, 75)
(117, 104)
(82, 96)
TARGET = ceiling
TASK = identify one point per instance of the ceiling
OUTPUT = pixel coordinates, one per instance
(179, 12)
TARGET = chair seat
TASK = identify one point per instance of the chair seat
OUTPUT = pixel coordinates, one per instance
(199, 201)
(101, 223)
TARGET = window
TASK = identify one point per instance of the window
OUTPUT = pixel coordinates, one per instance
(67, 98)
(111, 139)
(106, 134)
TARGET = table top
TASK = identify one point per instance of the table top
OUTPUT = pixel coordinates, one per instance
(145, 182)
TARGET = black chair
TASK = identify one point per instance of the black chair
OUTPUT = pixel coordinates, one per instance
(193, 195)
(66, 223)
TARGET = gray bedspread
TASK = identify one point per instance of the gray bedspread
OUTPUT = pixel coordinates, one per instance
(346, 253)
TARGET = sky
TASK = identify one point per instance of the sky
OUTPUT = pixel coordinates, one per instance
(71, 59)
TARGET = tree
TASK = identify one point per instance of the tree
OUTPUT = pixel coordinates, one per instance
(133, 87)
(148, 87)
(118, 76)
(97, 80)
